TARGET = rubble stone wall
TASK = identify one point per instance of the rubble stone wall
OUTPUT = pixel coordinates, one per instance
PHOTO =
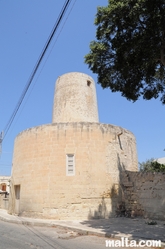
(144, 193)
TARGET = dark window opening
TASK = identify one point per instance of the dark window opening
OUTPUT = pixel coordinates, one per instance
(88, 82)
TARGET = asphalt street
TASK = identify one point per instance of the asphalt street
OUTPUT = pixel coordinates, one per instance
(18, 236)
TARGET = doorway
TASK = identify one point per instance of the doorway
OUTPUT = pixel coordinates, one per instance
(17, 198)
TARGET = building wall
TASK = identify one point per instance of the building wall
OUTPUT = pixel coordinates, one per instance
(161, 160)
(39, 170)
(144, 193)
(4, 183)
(75, 99)
(4, 186)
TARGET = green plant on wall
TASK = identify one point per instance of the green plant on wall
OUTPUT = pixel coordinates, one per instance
(151, 165)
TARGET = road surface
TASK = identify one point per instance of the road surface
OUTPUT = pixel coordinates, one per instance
(16, 236)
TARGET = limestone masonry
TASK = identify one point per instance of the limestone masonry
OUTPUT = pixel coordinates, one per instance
(144, 193)
(75, 99)
(70, 169)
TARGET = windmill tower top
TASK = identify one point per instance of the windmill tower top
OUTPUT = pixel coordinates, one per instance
(75, 99)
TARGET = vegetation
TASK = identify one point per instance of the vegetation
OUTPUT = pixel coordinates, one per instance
(152, 165)
(129, 52)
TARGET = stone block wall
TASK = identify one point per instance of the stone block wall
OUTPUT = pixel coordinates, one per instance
(75, 99)
(4, 202)
(39, 184)
(144, 193)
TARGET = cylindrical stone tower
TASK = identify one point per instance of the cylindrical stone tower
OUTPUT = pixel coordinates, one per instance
(75, 99)
(69, 169)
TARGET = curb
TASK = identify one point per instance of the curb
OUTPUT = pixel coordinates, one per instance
(80, 231)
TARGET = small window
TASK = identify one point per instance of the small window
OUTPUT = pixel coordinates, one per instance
(70, 165)
(3, 187)
(88, 82)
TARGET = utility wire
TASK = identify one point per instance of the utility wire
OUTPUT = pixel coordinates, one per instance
(45, 61)
(61, 15)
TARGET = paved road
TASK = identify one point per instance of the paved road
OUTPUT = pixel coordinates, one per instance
(16, 236)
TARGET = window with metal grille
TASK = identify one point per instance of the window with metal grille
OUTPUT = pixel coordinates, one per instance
(70, 165)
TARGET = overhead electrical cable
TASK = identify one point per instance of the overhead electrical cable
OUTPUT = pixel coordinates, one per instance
(61, 15)
(50, 50)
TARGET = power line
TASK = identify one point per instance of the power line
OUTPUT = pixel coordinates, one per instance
(45, 61)
(58, 21)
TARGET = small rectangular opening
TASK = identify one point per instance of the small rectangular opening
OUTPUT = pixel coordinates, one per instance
(70, 165)
(88, 82)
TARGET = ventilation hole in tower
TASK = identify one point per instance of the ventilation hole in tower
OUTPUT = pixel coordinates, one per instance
(88, 82)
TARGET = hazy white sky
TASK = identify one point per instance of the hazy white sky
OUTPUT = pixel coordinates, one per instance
(24, 29)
